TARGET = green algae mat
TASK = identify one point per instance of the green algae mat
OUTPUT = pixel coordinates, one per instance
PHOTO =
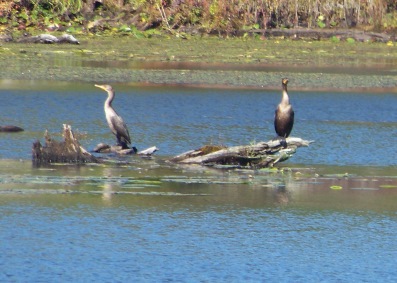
(207, 62)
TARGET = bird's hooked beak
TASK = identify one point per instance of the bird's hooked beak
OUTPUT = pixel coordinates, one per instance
(104, 87)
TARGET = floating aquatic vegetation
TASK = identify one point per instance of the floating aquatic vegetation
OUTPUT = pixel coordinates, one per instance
(336, 187)
(388, 186)
(344, 175)
(364, 189)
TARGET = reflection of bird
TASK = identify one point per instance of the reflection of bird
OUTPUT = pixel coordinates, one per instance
(284, 116)
(115, 122)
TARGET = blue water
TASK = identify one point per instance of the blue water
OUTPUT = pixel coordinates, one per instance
(148, 221)
(348, 128)
(182, 243)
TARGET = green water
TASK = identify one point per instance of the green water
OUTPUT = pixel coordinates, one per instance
(210, 62)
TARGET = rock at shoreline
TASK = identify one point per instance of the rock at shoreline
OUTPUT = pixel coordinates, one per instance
(10, 129)
(49, 39)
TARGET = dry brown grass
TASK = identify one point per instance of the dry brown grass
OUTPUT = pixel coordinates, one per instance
(6, 7)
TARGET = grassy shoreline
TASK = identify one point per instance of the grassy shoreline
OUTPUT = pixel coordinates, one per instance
(190, 16)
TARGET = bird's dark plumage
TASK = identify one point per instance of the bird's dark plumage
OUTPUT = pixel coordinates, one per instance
(284, 116)
(115, 122)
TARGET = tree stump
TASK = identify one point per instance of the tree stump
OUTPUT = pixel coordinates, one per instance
(259, 155)
(67, 151)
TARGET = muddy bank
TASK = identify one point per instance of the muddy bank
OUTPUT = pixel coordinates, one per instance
(321, 34)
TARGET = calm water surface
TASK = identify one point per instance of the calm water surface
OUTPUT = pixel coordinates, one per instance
(348, 128)
(149, 221)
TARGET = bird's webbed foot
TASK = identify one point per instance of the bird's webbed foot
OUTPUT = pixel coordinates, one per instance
(283, 141)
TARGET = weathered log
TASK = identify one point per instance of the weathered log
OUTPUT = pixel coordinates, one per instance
(260, 155)
(10, 129)
(105, 148)
(67, 151)
(149, 151)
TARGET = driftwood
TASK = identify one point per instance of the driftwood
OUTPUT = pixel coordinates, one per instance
(260, 155)
(70, 150)
(10, 129)
(105, 148)
(67, 151)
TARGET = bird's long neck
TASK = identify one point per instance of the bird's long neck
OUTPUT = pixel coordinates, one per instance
(285, 98)
(109, 100)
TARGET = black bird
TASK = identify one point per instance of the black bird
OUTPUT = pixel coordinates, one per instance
(115, 122)
(284, 116)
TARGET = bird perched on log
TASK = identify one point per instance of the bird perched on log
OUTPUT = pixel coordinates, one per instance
(284, 116)
(115, 122)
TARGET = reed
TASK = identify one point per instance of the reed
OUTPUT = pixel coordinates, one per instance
(56, 6)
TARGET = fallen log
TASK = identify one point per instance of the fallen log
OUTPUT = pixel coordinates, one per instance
(259, 155)
(67, 151)
(105, 148)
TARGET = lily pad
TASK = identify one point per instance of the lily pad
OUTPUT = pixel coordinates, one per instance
(336, 187)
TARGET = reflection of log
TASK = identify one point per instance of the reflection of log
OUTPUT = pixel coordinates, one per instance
(10, 129)
(260, 155)
(67, 151)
